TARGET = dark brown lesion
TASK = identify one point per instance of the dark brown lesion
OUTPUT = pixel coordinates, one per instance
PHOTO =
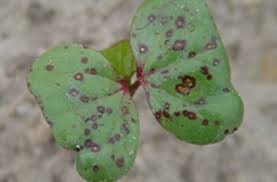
(119, 162)
(179, 45)
(151, 18)
(180, 22)
(190, 115)
(95, 168)
(101, 109)
(143, 48)
(125, 128)
(191, 54)
(87, 132)
(94, 147)
(158, 115)
(166, 114)
(49, 67)
(84, 60)
(91, 71)
(205, 70)
(169, 33)
(216, 62)
(84, 99)
(73, 92)
(79, 77)
(212, 44)
(188, 83)
(201, 101)
(205, 122)
(124, 110)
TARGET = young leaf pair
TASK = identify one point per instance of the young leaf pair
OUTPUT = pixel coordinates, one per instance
(179, 60)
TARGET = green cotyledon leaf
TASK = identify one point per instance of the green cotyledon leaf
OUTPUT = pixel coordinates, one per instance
(121, 58)
(89, 111)
(183, 66)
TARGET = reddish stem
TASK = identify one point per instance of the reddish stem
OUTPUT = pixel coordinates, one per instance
(134, 87)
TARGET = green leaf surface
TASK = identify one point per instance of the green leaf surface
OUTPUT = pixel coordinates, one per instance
(88, 110)
(184, 69)
(121, 58)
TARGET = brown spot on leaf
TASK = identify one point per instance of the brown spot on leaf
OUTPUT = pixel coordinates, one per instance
(113, 157)
(200, 101)
(158, 115)
(177, 114)
(180, 22)
(212, 44)
(119, 162)
(109, 110)
(84, 60)
(234, 130)
(166, 114)
(169, 33)
(111, 140)
(79, 77)
(151, 18)
(124, 110)
(182, 89)
(216, 62)
(95, 147)
(87, 132)
(117, 137)
(101, 109)
(205, 122)
(226, 132)
(143, 49)
(125, 128)
(209, 77)
(84, 99)
(73, 92)
(88, 143)
(191, 115)
(78, 148)
(191, 54)
(49, 67)
(91, 71)
(226, 90)
(204, 70)
(189, 81)
(95, 168)
(179, 45)
(93, 117)
(94, 126)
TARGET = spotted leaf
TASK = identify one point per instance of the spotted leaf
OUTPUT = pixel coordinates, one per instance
(184, 69)
(89, 110)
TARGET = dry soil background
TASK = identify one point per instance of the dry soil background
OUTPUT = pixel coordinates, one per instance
(27, 150)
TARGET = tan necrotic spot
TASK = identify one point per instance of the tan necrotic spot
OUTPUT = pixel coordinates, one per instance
(180, 22)
(49, 67)
(119, 162)
(212, 44)
(179, 45)
(84, 60)
(79, 77)
(182, 89)
(143, 49)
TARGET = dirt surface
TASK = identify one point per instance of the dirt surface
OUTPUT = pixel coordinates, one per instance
(28, 152)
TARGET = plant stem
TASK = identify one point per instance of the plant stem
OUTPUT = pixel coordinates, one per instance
(133, 87)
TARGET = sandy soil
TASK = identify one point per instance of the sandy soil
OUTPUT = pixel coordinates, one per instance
(28, 152)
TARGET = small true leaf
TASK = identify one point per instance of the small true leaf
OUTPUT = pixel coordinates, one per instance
(184, 69)
(121, 58)
(88, 110)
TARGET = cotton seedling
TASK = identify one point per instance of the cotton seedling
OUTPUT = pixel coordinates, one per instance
(179, 59)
